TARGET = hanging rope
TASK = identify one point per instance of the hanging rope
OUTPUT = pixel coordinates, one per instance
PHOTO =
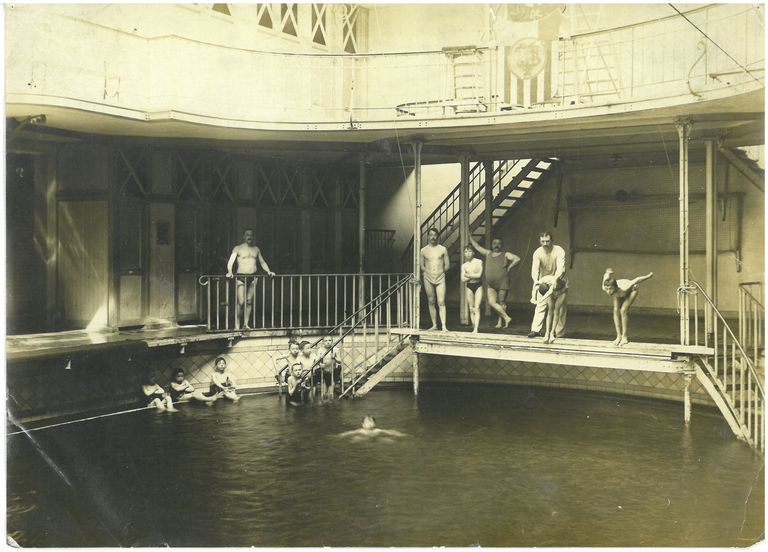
(100, 416)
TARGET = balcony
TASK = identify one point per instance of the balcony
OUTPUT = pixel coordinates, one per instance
(110, 81)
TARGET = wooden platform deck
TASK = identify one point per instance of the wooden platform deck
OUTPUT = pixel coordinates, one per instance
(654, 357)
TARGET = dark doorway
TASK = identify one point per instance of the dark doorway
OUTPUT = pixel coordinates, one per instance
(25, 263)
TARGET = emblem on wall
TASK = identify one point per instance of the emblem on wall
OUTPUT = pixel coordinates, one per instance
(531, 12)
(526, 58)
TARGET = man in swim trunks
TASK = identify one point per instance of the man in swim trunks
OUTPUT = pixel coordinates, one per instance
(624, 293)
(247, 255)
(549, 260)
(434, 264)
(498, 263)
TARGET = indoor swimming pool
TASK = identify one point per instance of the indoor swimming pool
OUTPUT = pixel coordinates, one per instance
(478, 465)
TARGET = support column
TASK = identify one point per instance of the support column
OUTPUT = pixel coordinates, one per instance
(711, 228)
(488, 220)
(687, 399)
(416, 237)
(463, 232)
(683, 132)
(416, 295)
(361, 231)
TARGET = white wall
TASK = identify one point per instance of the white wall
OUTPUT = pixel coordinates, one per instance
(536, 215)
(391, 202)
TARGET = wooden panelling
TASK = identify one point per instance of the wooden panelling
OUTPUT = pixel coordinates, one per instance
(83, 168)
(131, 299)
(83, 270)
(162, 237)
(186, 305)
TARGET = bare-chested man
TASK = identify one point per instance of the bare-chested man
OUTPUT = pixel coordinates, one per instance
(434, 264)
(549, 260)
(247, 255)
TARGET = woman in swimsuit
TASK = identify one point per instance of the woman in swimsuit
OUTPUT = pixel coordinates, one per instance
(471, 275)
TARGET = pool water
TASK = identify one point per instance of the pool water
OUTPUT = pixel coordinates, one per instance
(479, 465)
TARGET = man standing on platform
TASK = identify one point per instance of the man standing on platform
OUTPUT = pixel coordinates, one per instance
(498, 263)
(247, 255)
(434, 264)
(548, 260)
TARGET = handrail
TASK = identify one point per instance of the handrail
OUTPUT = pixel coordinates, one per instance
(452, 198)
(736, 342)
(744, 290)
(380, 299)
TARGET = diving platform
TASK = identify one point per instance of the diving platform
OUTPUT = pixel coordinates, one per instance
(649, 357)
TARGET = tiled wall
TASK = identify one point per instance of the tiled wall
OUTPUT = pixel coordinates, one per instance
(112, 380)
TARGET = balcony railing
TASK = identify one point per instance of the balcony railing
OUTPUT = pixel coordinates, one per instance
(657, 59)
(289, 301)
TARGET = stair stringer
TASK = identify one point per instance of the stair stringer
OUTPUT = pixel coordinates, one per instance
(720, 401)
(385, 370)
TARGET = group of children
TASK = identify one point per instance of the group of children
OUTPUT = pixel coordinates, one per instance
(307, 372)
(180, 390)
(551, 291)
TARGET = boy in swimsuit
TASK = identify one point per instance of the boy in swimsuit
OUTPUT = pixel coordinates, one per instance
(624, 293)
(498, 263)
(434, 264)
(222, 384)
(182, 390)
(154, 395)
(297, 390)
(281, 376)
(471, 276)
(330, 365)
(550, 291)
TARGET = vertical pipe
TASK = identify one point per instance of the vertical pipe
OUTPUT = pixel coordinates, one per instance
(208, 291)
(361, 227)
(416, 239)
(683, 131)
(488, 220)
(687, 399)
(463, 232)
(710, 231)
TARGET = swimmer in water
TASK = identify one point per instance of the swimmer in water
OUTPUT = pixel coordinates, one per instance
(368, 431)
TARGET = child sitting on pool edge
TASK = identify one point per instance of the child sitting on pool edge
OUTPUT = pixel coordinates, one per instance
(222, 384)
(182, 390)
(154, 395)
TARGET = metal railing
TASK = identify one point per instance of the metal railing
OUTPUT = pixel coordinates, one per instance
(663, 57)
(731, 368)
(752, 318)
(289, 301)
(378, 249)
(655, 59)
(365, 335)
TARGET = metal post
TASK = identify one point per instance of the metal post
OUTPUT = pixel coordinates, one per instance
(711, 230)
(463, 232)
(488, 222)
(687, 399)
(417, 238)
(361, 230)
(683, 131)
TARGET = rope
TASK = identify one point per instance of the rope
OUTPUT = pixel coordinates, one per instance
(100, 416)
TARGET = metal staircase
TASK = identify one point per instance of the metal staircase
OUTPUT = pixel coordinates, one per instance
(512, 182)
(730, 376)
(371, 350)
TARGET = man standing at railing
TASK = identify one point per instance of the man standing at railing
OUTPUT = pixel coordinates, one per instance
(246, 255)
(434, 264)
(549, 260)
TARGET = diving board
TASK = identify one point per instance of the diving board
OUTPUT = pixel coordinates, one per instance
(649, 357)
